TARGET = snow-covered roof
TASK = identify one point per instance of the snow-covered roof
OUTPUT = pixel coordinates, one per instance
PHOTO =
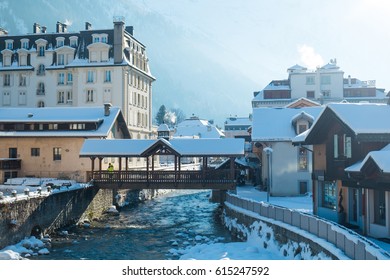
(303, 101)
(330, 66)
(381, 159)
(275, 124)
(197, 127)
(163, 127)
(363, 117)
(297, 67)
(184, 147)
(239, 121)
(57, 115)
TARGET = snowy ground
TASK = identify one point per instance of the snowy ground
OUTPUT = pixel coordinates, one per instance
(213, 249)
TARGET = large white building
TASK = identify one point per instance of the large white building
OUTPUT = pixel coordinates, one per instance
(79, 69)
(324, 85)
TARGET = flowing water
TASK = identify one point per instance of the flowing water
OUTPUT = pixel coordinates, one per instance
(144, 231)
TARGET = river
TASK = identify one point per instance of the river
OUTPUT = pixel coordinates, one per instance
(146, 231)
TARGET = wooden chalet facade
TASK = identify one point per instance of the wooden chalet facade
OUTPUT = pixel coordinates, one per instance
(344, 189)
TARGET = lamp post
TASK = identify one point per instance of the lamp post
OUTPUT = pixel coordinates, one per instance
(268, 152)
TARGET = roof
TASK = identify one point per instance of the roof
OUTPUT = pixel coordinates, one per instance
(380, 158)
(57, 115)
(197, 127)
(239, 121)
(360, 118)
(182, 147)
(275, 124)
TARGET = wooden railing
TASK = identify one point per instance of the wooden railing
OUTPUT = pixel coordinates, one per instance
(163, 179)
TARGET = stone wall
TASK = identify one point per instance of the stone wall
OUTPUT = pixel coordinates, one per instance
(45, 213)
(320, 234)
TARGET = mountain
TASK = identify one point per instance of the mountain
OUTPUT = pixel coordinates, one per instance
(194, 70)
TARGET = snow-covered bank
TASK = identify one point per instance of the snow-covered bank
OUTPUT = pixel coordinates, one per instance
(257, 247)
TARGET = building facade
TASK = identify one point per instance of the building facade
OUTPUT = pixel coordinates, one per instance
(46, 142)
(285, 169)
(79, 69)
(351, 166)
(323, 85)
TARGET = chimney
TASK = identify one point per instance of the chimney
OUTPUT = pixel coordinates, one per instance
(64, 28)
(36, 28)
(88, 26)
(43, 29)
(130, 30)
(58, 27)
(107, 107)
(118, 39)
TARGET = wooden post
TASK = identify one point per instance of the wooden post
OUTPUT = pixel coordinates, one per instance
(232, 171)
(127, 164)
(100, 167)
(147, 170)
(120, 169)
(175, 170)
(92, 166)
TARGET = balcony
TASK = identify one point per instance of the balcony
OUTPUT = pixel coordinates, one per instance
(10, 164)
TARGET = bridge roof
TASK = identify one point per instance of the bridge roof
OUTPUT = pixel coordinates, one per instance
(146, 147)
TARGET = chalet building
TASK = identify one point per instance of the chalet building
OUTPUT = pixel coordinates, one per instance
(79, 69)
(323, 85)
(285, 169)
(350, 166)
(46, 142)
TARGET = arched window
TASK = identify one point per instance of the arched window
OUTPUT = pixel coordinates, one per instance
(41, 70)
(41, 104)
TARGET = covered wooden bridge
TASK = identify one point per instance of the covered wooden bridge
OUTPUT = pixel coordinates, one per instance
(150, 178)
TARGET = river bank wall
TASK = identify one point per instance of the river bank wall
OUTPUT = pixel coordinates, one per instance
(42, 213)
(289, 226)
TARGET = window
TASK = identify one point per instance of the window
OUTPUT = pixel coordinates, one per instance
(325, 80)
(10, 45)
(7, 80)
(379, 207)
(302, 128)
(22, 80)
(60, 42)
(61, 97)
(96, 39)
(329, 195)
(90, 95)
(53, 126)
(69, 97)
(61, 78)
(41, 104)
(25, 45)
(107, 76)
(77, 126)
(310, 80)
(41, 70)
(56, 153)
(302, 159)
(104, 39)
(60, 59)
(35, 152)
(41, 51)
(90, 76)
(12, 152)
(342, 146)
(41, 89)
(69, 78)
(310, 94)
(22, 98)
(6, 98)
(325, 93)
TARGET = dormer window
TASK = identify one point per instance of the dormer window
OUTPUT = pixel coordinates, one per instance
(73, 41)
(301, 122)
(9, 44)
(24, 43)
(60, 42)
(60, 59)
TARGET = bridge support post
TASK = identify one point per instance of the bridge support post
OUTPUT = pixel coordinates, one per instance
(218, 196)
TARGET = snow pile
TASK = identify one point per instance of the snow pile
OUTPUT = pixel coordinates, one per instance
(28, 247)
(260, 244)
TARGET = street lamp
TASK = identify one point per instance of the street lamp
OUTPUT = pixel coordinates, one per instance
(268, 152)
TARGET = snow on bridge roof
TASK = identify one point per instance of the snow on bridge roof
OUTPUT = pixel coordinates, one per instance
(184, 147)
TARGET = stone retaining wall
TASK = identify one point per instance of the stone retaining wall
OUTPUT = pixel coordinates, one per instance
(297, 226)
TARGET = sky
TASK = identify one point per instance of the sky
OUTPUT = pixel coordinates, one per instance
(210, 56)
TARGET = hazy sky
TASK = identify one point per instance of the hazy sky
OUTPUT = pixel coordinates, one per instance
(263, 38)
(253, 41)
